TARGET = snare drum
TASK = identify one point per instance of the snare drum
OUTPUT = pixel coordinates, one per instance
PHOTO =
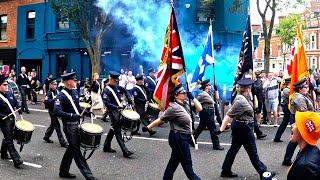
(23, 131)
(84, 105)
(129, 120)
(153, 109)
(90, 135)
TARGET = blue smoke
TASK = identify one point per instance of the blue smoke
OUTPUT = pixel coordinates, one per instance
(147, 21)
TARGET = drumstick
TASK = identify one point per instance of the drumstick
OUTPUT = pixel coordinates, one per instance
(11, 113)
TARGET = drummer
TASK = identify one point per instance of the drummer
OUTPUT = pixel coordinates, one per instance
(7, 105)
(141, 97)
(67, 107)
(49, 104)
(110, 96)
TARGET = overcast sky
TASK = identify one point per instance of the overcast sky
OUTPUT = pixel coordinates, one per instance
(257, 20)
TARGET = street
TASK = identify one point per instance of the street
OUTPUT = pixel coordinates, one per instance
(151, 155)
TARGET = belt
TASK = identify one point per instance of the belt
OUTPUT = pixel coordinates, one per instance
(245, 122)
(71, 123)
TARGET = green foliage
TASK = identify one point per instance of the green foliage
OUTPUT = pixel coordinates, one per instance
(286, 29)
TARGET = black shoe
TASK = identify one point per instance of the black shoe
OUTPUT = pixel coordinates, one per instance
(260, 136)
(47, 140)
(286, 163)
(110, 150)
(145, 129)
(135, 133)
(27, 111)
(104, 119)
(277, 140)
(152, 132)
(220, 148)
(127, 154)
(228, 174)
(4, 157)
(92, 178)
(18, 164)
(65, 145)
(272, 175)
(67, 175)
(227, 127)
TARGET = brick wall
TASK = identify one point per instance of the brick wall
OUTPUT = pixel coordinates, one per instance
(9, 7)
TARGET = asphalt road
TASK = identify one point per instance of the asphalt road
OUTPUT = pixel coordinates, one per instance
(149, 160)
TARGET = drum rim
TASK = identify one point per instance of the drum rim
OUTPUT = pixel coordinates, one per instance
(135, 119)
(87, 105)
(24, 129)
(151, 105)
(89, 131)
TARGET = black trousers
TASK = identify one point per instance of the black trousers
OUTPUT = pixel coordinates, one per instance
(291, 146)
(34, 95)
(217, 113)
(242, 135)
(285, 121)
(24, 92)
(143, 116)
(115, 131)
(207, 120)
(73, 151)
(54, 125)
(7, 142)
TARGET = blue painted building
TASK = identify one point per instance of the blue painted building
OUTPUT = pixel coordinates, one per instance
(47, 44)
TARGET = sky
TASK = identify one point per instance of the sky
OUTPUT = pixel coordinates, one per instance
(255, 13)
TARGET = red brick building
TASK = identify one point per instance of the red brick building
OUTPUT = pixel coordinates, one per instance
(8, 34)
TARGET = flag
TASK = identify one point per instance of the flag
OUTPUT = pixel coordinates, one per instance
(289, 65)
(205, 59)
(245, 62)
(171, 64)
(299, 67)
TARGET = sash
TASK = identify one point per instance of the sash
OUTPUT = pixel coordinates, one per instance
(8, 103)
(189, 117)
(144, 94)
(71, 101)
(53, 96)
(114, 95)
(152, 80)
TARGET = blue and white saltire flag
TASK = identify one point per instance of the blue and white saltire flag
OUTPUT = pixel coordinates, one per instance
(205, 59)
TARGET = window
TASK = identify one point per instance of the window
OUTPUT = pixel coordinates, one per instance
(306, 41)
(313, 42)
(30, 24)
(204, 11)
(62, 23)
(273, 66)
(3, 27)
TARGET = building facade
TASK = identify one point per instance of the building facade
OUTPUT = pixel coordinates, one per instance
(8, 30)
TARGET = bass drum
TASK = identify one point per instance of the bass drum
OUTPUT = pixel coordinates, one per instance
(153, 110)
(13, 88)
(23, 131)
(129, 120)
(90, 135)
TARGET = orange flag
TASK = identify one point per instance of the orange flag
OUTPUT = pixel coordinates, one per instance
(299, 65)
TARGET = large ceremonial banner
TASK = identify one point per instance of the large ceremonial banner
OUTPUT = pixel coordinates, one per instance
(171, 64)
(299, 68)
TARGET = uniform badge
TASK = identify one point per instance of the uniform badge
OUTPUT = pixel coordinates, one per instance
(46, 98)
(146, 84)
(57, 102)
(104, 96)
(135, 93)
(77, 96)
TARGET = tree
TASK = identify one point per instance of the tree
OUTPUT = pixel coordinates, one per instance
(92, 22)
(269, 6)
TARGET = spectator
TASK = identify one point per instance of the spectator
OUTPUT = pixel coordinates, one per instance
(271, 100)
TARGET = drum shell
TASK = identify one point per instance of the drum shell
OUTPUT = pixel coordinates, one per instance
(22, 136)
(152, 111)
(89, 140)
(128, 124)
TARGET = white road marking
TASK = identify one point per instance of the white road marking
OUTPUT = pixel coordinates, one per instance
(31, 164)
(37, 125)
(38, 110)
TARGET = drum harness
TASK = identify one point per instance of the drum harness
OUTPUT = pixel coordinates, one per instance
(12, 113)
(77, 112)
(125, 136)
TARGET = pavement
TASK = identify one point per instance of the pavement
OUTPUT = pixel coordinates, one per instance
(150, 158)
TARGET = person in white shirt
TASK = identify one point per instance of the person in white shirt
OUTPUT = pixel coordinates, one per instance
(271, 87)
(131, 82)
(123, 80)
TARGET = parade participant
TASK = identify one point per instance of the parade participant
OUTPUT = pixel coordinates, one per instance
(49, 104)
(150, 81)
(284, 106)
(140, 94)
(7, 105)
(299, 102)
(23, 83)
(242, 130)
(271, 88)
(306, 133)
(111, 97)
(34, 87)
(46, 83)
(207, 115)
(67, 107)
(178, 114)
